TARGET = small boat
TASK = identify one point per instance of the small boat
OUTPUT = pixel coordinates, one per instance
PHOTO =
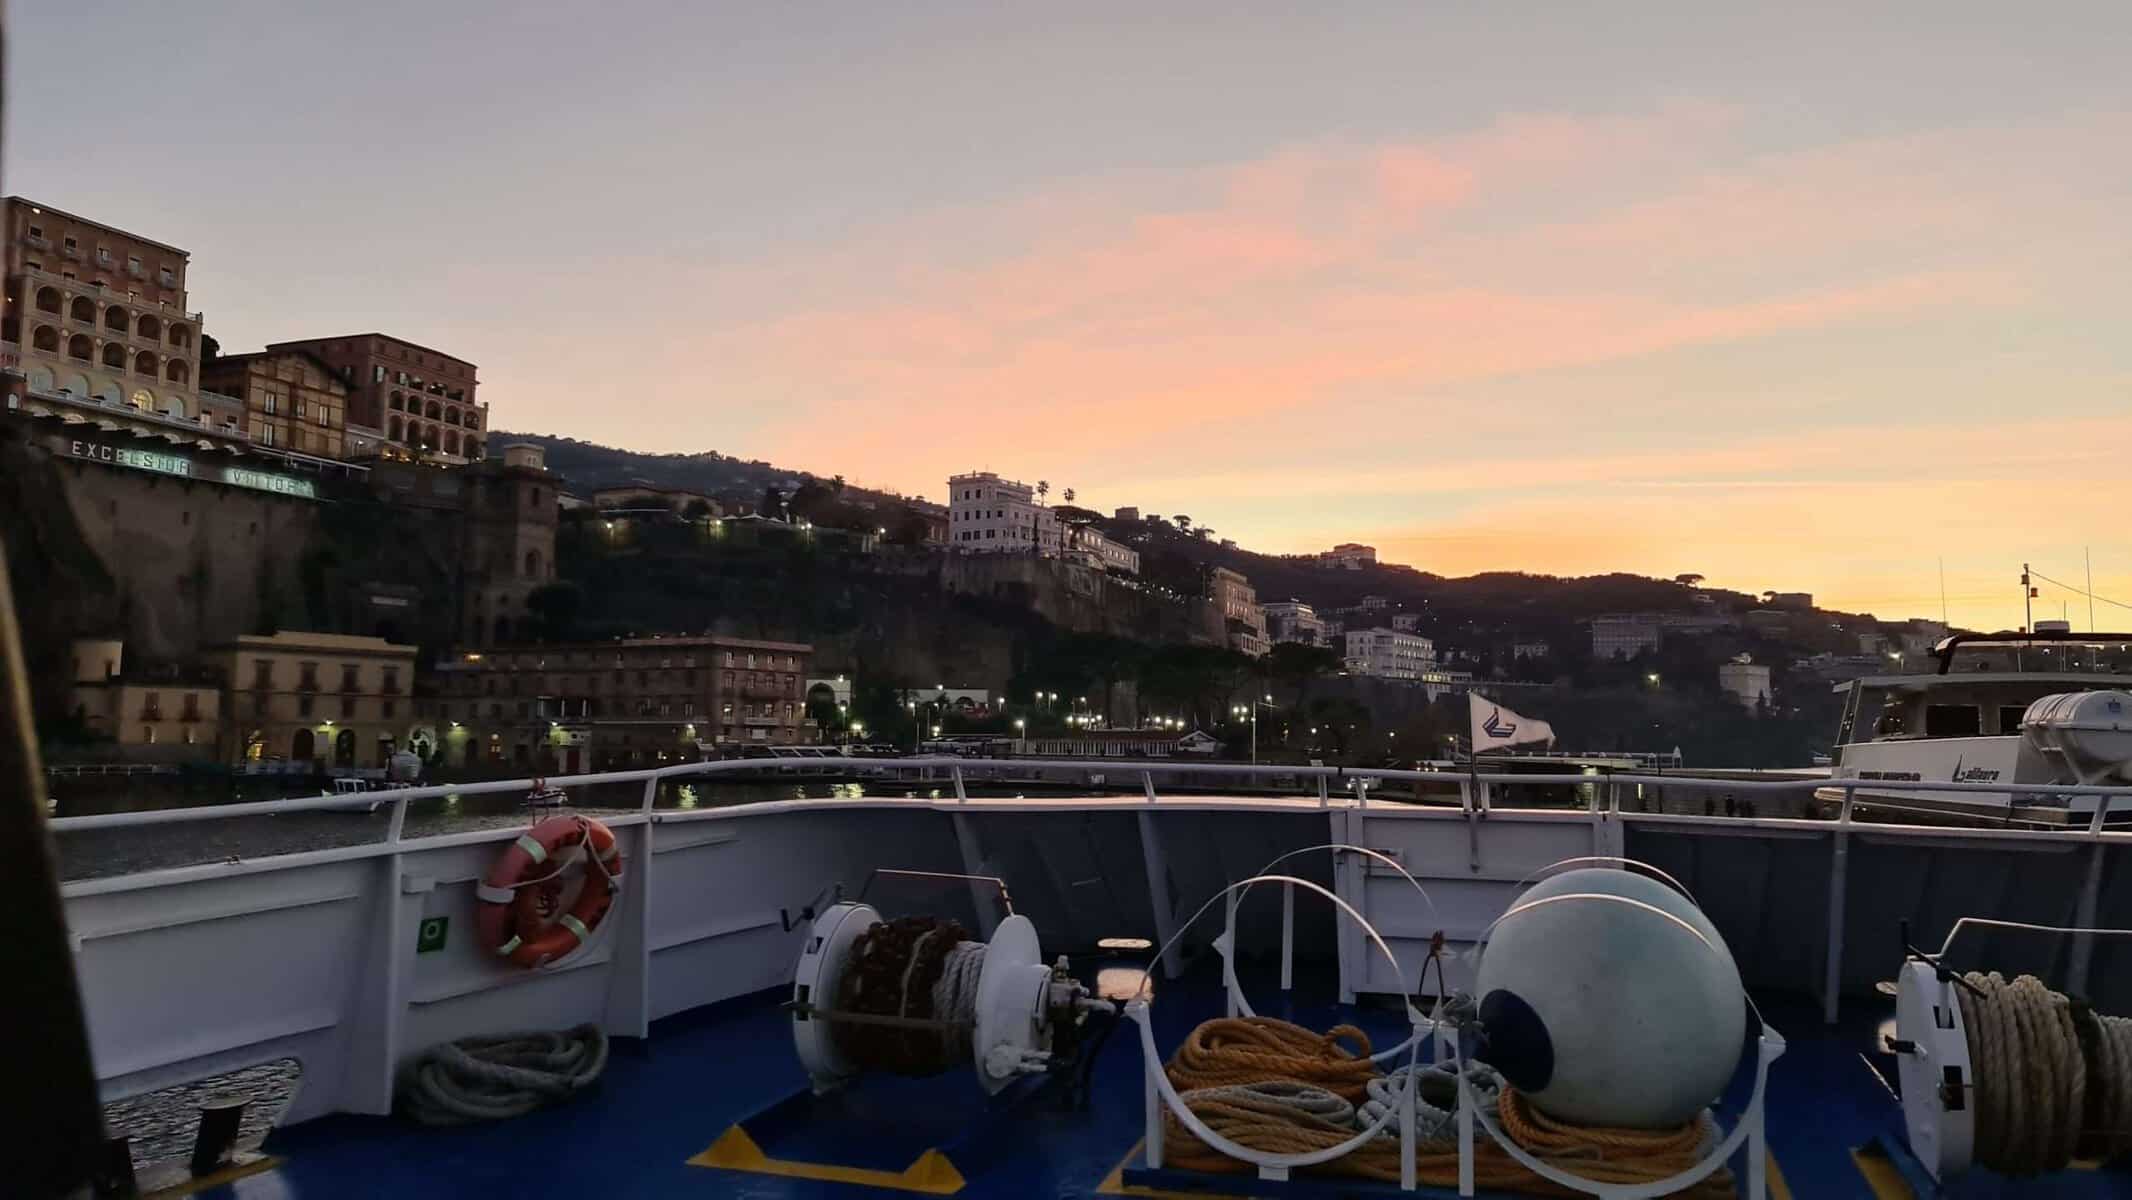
(545, 796)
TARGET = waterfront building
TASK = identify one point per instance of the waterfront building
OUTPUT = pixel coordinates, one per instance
(333, 699)
(1624, 635)
(1120, 743)
(165, 713)
(1388, 654)
(405, 400)
(96, 313)
(583, 706)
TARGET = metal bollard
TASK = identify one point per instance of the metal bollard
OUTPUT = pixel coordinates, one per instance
(219, 1119)
(114, 1171)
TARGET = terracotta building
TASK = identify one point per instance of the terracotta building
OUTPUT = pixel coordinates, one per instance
(93, 311)
(330, 698)
(587, 706)
(405, 401)
(293, 400)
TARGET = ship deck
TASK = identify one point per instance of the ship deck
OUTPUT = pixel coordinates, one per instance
(667, 1098)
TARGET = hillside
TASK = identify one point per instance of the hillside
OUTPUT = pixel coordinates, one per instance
(588, 466)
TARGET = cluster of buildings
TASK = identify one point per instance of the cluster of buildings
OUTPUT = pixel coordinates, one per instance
(97, 326)
(349, 703)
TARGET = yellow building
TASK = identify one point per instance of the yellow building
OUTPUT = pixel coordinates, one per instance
(330, 698)
(168, 709)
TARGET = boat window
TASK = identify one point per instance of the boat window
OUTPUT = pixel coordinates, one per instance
(1953, 720)
(2010, 717)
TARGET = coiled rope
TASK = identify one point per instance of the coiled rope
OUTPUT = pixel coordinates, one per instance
(920, 970)
(1281, 1088)
(491, 1078)
(2051, 1079)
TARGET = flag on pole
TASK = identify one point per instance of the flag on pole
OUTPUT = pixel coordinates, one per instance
(1496, 727)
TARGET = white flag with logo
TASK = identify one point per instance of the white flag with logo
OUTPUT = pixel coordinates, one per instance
(1495, 727)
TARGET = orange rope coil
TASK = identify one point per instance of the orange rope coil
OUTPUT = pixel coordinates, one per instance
(1280, 1088)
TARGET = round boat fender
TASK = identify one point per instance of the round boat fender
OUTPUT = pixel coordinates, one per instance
(511, 918)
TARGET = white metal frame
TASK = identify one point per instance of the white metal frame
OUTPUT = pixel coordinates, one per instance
(388, 1010)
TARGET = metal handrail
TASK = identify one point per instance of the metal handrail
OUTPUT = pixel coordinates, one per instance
(978, 770)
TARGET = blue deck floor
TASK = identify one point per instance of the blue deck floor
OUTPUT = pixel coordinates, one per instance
(669, 1098)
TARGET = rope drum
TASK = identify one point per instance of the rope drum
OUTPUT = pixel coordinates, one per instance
(1282, 1088)
(922, 972)
(2052, 1079)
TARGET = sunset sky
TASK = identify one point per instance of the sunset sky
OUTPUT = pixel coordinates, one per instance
(1807, 299)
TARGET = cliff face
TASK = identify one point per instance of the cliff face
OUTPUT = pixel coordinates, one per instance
(175, 566)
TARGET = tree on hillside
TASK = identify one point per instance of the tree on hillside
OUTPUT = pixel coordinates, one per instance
(696, 510)
(1690, 579)
(1183, 522)
(1069, 495)
(1296, 666)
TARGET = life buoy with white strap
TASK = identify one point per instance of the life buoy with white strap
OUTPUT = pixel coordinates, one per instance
(516, 918)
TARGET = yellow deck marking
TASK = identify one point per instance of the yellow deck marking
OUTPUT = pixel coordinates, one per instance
(228, 1174)
(932, 1174)
(1880, 1175)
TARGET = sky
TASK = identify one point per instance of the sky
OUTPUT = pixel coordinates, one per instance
(1827, 298)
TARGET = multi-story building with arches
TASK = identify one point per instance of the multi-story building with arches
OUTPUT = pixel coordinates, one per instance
(405, 401)
(95, 312)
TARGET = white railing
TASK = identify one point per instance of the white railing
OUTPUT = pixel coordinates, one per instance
(343, 914)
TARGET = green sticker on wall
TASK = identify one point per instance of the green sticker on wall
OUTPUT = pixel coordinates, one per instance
(431, 935)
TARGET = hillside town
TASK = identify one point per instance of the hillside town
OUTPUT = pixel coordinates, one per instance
(313, 555)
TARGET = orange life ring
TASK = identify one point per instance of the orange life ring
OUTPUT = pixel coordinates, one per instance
(515, 896)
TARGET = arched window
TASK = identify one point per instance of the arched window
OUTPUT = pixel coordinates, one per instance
(178, 370)
(144, 363)
(398, 402)
(533, 564)
(115, 355)
(180, 335)
(48, 299)
(435, 412)
(392, 430)
(303, 747)
(149, 328)
(83, 309)
(46, 339)
(451, 414)
(451, 442)
(79, 346)
(117, 318)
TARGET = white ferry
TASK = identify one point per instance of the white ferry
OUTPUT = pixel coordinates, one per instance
(2000, 711)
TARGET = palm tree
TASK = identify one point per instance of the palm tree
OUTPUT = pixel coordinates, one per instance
(1183, 522)
(1069, 495)
(1043, 489)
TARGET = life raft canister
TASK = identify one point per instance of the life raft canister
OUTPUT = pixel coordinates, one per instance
(510, 918)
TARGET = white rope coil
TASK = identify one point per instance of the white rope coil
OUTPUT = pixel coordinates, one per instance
(1435, 1098)
(2049, 1079)
(955, 997)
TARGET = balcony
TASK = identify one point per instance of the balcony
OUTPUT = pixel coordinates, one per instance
(36, 242)
(73, 252)
(137, 270)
